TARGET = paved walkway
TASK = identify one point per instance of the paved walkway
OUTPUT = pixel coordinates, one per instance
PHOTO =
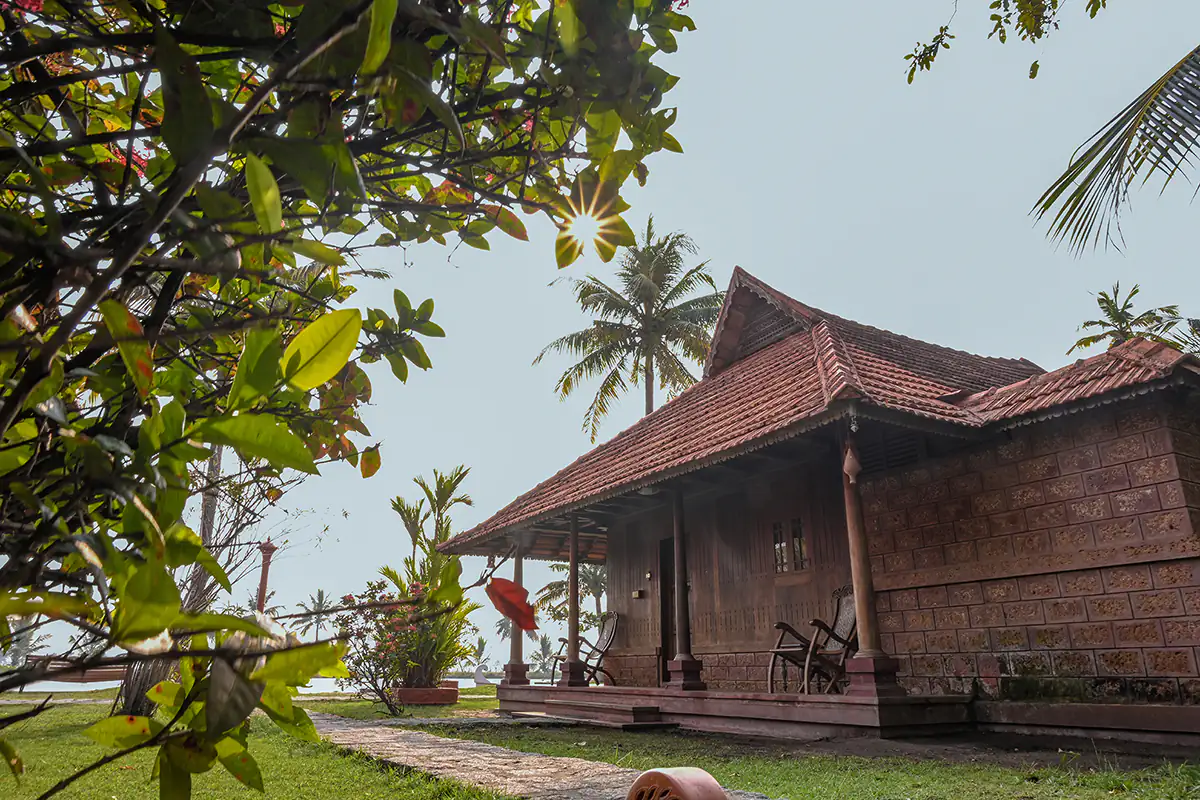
(499, 769)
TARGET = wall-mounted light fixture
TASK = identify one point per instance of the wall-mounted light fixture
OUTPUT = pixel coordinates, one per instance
(649, 575)
(638, 594)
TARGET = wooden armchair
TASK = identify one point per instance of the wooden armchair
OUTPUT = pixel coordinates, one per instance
(822, 654)
(592, 655)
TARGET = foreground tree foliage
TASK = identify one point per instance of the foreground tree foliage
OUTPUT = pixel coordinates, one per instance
(186, 189)
(1154, 137)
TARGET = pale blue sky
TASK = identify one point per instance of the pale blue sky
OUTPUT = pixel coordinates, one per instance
(811, 163)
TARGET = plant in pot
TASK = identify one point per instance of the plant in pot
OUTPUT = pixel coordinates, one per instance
(399, 655)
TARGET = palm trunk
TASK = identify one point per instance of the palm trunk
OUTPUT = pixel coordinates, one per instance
(141, 677)
(649, 382)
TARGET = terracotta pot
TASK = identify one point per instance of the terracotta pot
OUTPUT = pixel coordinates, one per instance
(448, 684)
(426, 697)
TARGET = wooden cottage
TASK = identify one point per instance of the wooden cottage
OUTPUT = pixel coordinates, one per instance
(1022, 545)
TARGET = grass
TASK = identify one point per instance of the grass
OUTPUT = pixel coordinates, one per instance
(780, 770)
(53, 746)
(471, 701)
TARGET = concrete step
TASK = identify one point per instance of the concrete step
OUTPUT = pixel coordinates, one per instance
(592, 709)
(559, 717)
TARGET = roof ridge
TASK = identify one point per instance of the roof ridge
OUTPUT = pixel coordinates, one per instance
(839, 377)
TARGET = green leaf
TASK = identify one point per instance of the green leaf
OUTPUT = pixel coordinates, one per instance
(338, 670)
(191, 754)
(122, 732)
(570, 29)
(258, 371)
(428, 328)
(295, 667)
(370, 461)
(12, 759)
(414, 351)
(166, 693)
(264, 195)
(173, 782)
(507, 221)
(567, 249)
(383, 14)
(485, 36)
(399, 366)
(135, 351)
(425, 310)
(320, 351)
(183, 547)
(47, 387)
(449, 591)
(321, 253)
(52, 604)
(187, 126)
(258, 436)
(244, 768)
(1033, 70)
(433, 101)
(230, 698)
(309, 162)
(298, 725)
(402, 302)
(278, 699)
(148, 603)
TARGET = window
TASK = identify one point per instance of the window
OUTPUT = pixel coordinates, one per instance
(791, 550)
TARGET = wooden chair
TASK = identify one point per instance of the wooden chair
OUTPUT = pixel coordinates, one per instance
(592, 655)
(821, 655)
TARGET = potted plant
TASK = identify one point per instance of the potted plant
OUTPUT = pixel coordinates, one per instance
(399, 655)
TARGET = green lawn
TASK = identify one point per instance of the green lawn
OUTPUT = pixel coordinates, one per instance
(53, 746)
(472, 702)
(37, 697)
(780, 770)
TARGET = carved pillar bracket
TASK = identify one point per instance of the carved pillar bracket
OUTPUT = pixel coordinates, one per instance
(572, 667)
(684, 670)
(516, 671)
(871, 671)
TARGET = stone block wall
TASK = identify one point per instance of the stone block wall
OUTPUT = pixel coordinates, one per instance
(1057, 561)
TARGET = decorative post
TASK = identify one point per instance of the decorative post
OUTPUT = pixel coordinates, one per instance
(872, 672)
(572, 668)
(516, 671)
(684, 670)
(267, 549)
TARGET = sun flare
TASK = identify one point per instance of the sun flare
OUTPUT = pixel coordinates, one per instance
(584, 228)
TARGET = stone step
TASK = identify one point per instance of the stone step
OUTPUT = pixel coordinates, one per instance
(603, 710)
(560, 717)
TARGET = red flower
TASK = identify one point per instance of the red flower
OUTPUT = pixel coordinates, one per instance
(512, 601)
(26, 5)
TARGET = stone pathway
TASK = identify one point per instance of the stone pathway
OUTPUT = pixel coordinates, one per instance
(506, 771)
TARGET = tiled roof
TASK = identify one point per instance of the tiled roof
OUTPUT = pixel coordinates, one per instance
(1136, 362)
(786, 385)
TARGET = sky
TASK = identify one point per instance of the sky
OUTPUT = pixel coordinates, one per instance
(810, 162)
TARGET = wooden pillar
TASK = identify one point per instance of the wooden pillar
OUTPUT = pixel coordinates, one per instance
(872, 672)
(572, 668)
(684, 670)
(516, 671)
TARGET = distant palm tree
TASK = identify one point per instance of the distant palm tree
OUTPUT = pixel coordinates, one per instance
(543, 659)
(441, 496)
(648, 326)
(593, 581)
(1119, 323)
(318, 606)
(504, 629)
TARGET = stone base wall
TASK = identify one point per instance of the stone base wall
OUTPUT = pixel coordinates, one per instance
(1058, 562)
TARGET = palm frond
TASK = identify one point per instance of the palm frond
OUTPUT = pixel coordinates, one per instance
(597, 362)
(1155, 134)
(610, 388)
(690, 281)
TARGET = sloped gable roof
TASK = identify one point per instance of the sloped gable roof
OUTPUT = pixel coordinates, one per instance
(791, 370)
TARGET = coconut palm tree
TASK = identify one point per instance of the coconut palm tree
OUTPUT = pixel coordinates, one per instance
(593, 581)
(318, 606)
(648, 325)
(504, 629)
(479, 652)
(1156, 134)
(1118, 323)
